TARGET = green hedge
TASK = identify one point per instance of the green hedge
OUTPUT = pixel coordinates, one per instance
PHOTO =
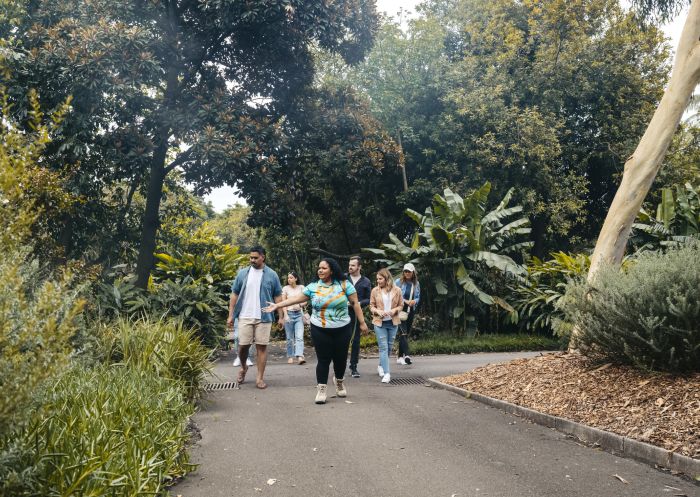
(437, 344)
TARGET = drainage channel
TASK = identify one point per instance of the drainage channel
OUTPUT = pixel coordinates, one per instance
(232, 385)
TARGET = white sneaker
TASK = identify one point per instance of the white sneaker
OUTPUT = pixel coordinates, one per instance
(401, 361)
(386, 378)
(380, 370)
(248, 362)
(340, 389)
(321, 393)
(407, 360)
(236, 362)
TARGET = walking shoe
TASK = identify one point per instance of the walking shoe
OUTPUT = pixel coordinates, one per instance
(237, 362)
(321, 393)
(407, 360)
(301, 360)
(380, 370)
(386, 378)
(248, 362)
(354, 373)
(290, 360)
(401, 361)
(339, 387)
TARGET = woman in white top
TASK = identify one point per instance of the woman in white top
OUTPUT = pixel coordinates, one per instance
(385, 302)
(293, 319)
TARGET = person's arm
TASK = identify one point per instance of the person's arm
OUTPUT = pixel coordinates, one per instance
(395, 310)
(280, 304)
(372, 307)
(231, 306)
(285, 316)
(416, 295)
(358, 312)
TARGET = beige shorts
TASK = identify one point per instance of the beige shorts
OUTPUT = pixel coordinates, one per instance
(249, 329)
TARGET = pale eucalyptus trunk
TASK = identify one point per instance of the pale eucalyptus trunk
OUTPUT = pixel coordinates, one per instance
(643, 165)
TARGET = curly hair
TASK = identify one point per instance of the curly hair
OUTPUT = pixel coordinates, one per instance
(296, 276)
(336, 271)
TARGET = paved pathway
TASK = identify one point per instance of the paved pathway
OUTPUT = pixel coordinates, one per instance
(394, 441)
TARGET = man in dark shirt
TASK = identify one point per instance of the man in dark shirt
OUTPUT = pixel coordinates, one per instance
(364, 289)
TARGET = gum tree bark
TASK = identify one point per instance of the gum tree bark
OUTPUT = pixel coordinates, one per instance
(641, 168)
(643, 165)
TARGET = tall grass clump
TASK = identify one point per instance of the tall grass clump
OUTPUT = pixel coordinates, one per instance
(165, 347)
(647, 315)
(106, 431)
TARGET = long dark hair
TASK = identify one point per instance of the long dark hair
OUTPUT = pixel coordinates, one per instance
(296, 276)
(336, 271)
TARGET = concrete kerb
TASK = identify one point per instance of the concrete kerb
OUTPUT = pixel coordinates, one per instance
(612, 442)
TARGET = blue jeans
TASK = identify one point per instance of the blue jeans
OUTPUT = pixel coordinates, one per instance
(294, 329)
(385, 339)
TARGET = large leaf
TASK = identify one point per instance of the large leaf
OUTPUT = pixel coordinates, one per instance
(501, 262)
(401, 248)
(442, 238)
(470, 287)
(416, 216)
(455, 203)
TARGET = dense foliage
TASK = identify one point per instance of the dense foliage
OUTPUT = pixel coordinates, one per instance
(458, 246)
(647, 316)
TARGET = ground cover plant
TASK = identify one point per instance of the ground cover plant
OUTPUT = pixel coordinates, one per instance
(111, 430)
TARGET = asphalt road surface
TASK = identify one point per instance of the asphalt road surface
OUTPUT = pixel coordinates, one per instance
(393, 441)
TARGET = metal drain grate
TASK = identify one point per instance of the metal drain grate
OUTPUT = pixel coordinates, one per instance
(417, 380)
(212, 387)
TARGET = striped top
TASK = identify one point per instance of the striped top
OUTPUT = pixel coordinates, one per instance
(329, 303)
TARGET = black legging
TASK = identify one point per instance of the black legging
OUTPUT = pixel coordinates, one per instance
(331, 344)
(404, 331)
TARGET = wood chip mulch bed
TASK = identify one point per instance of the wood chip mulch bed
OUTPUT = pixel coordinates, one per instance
(659, 409)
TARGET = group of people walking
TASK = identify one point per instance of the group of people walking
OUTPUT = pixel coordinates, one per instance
(336, 319)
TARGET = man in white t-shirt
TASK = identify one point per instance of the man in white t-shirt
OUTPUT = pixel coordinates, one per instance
(252, 289)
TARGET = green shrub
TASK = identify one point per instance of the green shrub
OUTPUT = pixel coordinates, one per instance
(647, 315)
(108, 431)
(163, 346)
(37, 321)
(483, 343)
(536, 299)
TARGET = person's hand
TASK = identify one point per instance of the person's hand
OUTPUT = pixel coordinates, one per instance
(286, 318)
(411, 303)
(229, 322)
(271, 307)
(393, 312)
(363, 328)
(280, 321)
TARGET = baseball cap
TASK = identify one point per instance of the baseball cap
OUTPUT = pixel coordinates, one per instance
(409, 267)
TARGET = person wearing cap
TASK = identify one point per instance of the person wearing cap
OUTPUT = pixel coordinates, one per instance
(410, 290)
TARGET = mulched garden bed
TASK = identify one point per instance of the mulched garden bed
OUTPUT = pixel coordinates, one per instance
(656, 408)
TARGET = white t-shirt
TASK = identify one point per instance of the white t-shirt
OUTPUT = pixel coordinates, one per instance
(250, 307)
(386, 297)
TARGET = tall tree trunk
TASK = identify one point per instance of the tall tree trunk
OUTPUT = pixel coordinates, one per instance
(641, 168)
(151, 218)
(158, 171)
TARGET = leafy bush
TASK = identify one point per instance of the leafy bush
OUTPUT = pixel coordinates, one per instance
(165, 347)
(457, 248)
(535, 301)
(38, 318)
(647, 315)
(194, 287)
(108, 431)
(677, 220)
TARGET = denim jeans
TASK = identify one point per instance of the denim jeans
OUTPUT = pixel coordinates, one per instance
(385, 339)
(294, 329)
